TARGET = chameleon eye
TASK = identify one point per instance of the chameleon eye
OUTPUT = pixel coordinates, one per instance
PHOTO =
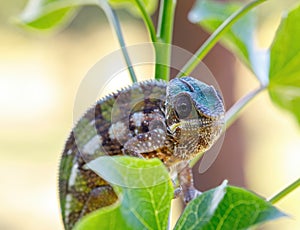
(183, 106)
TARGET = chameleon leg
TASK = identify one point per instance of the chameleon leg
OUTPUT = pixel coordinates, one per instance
(145, 142)
(185, 177)
(177, 192)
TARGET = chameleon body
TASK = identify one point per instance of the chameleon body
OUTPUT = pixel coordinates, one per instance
(173, 121)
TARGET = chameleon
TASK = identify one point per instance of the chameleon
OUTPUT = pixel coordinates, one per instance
(173, 121)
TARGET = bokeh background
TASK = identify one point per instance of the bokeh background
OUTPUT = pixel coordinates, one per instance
(39, 78)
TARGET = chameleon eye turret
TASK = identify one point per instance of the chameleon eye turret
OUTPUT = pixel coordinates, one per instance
(183, 106)
(173, 122)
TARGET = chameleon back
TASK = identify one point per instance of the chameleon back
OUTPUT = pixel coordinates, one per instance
(104, 130)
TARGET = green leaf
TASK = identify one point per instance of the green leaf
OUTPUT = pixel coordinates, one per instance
(55, 14)
(239, 39)
(142, 204)
(50, 14)
(284, 74)
(227, 207)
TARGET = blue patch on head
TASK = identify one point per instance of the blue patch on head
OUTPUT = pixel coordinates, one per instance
(206, 98)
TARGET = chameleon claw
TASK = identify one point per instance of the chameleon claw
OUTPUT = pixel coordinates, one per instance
(191, 194)
(177, 192)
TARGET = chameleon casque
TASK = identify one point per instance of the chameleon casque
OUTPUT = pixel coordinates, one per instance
(173, 121)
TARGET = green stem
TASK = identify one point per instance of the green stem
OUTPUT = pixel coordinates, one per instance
(113, 20)
(147, 20)
(164, 39)
(215, 37)
(285, 192)
(233, 113)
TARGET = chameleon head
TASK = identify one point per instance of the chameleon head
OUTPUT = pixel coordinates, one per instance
(194, 116)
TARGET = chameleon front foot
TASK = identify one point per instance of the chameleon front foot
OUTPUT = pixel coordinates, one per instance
(190, 194)
(186, 181)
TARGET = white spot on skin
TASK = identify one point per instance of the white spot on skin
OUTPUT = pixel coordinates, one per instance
(138, 118)
(117, 131)
(92, 123)
(73, 175)
(68, 201)
(69, 152)
(68, 207)
(93, 144)
(149, 144)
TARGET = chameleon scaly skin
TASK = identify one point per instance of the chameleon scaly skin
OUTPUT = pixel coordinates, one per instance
(173, 121)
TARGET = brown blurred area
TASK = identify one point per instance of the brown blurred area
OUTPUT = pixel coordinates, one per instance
(39, 79)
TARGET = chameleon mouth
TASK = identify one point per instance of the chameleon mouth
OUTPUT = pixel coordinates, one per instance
(195, 124)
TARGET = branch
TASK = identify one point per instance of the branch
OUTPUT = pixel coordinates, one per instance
(114, 22)
(233, 113)
(284, 192)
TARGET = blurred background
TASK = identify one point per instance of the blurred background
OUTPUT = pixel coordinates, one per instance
(39, 78)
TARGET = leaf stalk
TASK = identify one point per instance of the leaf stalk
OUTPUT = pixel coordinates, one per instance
(164, 39)
(233, 113)
(283, 193)
(114, 21)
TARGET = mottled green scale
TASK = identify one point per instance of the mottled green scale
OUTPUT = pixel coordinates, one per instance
(123, 122)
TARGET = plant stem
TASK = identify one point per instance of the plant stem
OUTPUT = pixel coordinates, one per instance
(147, 20)
(285, 192)
(113, 20)
(215, 37)
(164, 39)
(233, 113)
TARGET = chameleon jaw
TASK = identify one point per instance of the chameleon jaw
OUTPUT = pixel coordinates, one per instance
(194, 124)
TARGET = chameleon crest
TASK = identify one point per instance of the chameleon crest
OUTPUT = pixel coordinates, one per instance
(173, 121)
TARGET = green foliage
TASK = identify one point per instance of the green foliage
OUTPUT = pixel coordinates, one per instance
(239, 38)
(227, 207)
(129, 171)
(277, 68)
(142, 204)
(55, 14)
(49, 15)
(284, 72)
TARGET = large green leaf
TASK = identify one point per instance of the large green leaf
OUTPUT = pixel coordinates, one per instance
(239, 38)
(227, 207)
(284, 73)
(51, 14)
(145, 194)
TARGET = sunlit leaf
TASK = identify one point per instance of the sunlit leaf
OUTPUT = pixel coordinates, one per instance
(50, 14)
(239, 38)
(227, 207)
(53, 14)
(139, 207)
(284, 73)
